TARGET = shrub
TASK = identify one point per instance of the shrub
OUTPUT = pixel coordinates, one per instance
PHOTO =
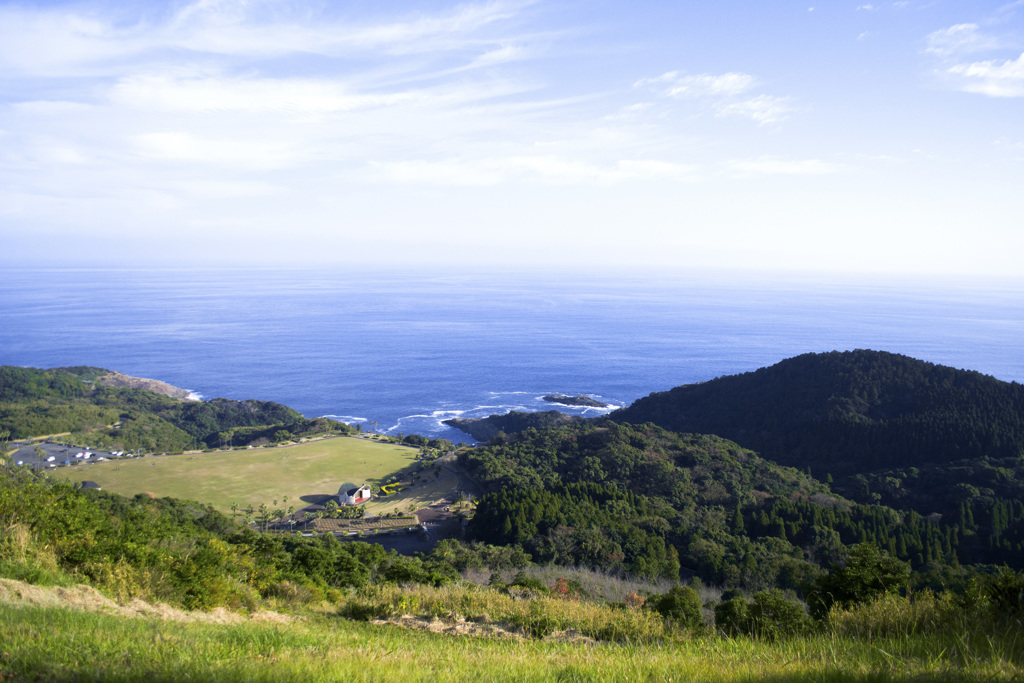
(1005, 590)
(680, 604)
(868, 572)
(523, 581)
(732, 616)
(772, 616)
(359, 610)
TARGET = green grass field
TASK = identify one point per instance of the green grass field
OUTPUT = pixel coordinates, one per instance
(63, 645)
(253, 476)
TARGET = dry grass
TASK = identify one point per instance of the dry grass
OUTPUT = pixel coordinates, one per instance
(417, 496)
(88, 599)
(598, 585)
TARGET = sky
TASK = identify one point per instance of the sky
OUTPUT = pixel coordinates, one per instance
(878, 138)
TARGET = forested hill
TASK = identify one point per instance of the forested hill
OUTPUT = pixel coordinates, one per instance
(637, 497)
(75, 401)
(904, 425)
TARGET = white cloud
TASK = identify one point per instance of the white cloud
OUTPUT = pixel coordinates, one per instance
(550, 170)
(240, 94)
(992, 78)
(960, 39)
(768, 165)
(220, 189)
(723, 93)
(764, 109)
(56, 41)
(243, 154)
(675, 84)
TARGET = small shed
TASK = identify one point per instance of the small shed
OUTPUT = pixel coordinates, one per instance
(89, 484)
(350, 494)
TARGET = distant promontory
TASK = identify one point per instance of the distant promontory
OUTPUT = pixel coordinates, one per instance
(486, 428)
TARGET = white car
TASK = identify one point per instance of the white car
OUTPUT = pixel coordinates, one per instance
(51, 458)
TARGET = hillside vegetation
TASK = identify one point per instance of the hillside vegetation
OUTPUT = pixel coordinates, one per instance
(140, 551)
(848, 413)
(653, 502)
(73, 400)
(882, 428)
(597, 551)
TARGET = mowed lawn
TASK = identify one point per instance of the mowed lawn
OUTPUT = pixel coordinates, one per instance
(303, 472)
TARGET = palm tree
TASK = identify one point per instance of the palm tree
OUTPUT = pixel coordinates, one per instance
(264, 513)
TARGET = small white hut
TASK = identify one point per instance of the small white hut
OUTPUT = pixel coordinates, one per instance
(350, 494)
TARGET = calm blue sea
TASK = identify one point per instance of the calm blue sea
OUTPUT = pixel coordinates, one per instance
(407, 350)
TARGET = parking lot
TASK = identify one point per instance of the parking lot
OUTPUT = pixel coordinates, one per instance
(56, 455)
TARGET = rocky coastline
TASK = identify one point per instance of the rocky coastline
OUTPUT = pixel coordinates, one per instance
(486, 428)
(580, 400)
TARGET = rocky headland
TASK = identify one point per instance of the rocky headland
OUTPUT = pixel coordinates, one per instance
(486, 428)
(116, 379)
(581, 400)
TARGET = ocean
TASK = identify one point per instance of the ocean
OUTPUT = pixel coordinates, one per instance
(400, 351)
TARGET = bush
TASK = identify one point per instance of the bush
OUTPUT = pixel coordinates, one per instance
(868, 572)
(732, 616)
(769, 616)
(523, 581)
(772, 616)
(680, 604)
(359, 610)
(1005, 590)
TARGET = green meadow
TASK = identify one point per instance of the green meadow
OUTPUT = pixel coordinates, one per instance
(57, 644)
(250, 476)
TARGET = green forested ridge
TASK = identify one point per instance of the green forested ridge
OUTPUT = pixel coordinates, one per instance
(647, 500)
(38, 402)
(849, 412)
(881, 427)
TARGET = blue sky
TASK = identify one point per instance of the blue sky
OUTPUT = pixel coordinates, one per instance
(879, 138)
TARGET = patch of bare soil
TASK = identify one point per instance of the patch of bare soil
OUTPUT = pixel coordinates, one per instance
(570, 636)
(459, 627)
(88, 599)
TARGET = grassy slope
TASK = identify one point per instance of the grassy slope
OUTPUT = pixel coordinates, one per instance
(259, 475)
(56, 644)
(420, 495)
